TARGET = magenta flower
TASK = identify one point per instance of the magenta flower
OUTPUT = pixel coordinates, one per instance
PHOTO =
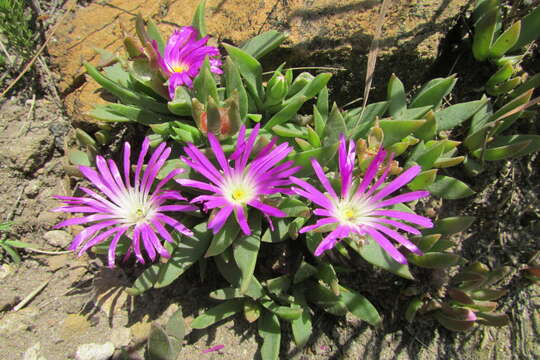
(127, 209)
(363, 210)
(243, 183)
(184, 56)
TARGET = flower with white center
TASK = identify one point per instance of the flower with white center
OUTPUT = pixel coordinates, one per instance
(363, 209)
(183, 57)
(240, 182)
(125, 208)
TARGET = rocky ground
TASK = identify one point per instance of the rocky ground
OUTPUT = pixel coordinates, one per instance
(77, 301)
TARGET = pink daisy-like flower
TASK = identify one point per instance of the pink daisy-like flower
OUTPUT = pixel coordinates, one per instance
(127, 209)
(363, 209)
(243, 183)
(183, 57)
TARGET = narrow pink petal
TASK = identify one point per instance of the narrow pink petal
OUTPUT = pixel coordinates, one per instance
(157, 243)
(397, 224)
(153, 169)
(113, 245)
(312, 193)
(177, 208)
(136, 241)
(127, 163)
(239, 143)
(386, 245)
(77, 209)
(147, 243)
(116, 175)
(249, 146)
(203, 162)
(319, 223)
(218, 153)
(398, 182)
(322, 177)
(331, 239)
(398, 237)
(96, 179)
(383, 177)
(410, 196)
(322, 212)
(106, 176)
(175, 224)
(198, 185)
(167, 178)
(266, 149)
(84, 220)
(162, 231)
(98, 238)
(88, 232)
(219, 219)
(242, 220)
(267, 209)
(140, 161)
(412, 218)
(371, 171)
(213, 348)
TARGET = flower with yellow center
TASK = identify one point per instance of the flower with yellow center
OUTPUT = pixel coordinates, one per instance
(240, 184)
(360, 210)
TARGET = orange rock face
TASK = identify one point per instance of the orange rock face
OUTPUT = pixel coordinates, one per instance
(321, 28)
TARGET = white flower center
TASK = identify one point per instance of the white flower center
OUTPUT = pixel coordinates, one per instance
(353, 211)
(134, 207)
(239, 189)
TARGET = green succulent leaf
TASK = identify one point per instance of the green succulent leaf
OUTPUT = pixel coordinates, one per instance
(488, 294)
(198, 21)
(454, 115)
(124, 94)
(302, 327)
(218, 313)
(433, 92)
(413, 307)
(145, 281)
(264, 43)
(360, 307)
(450, 225)
(159, 346)
(281, 228)
(375, 255)
(484, 33)
(287, 113)
(246, 249)
(396, 97)
(450, 188)
(250, 69)
(395, 130)
(504, 73)
(270, 331)
(502, 152)
(506, 40)
(175, 326)
(423, 180)
(435, 260)
(530, 29)
(188, 251)
(224, 238)
(334, 127)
